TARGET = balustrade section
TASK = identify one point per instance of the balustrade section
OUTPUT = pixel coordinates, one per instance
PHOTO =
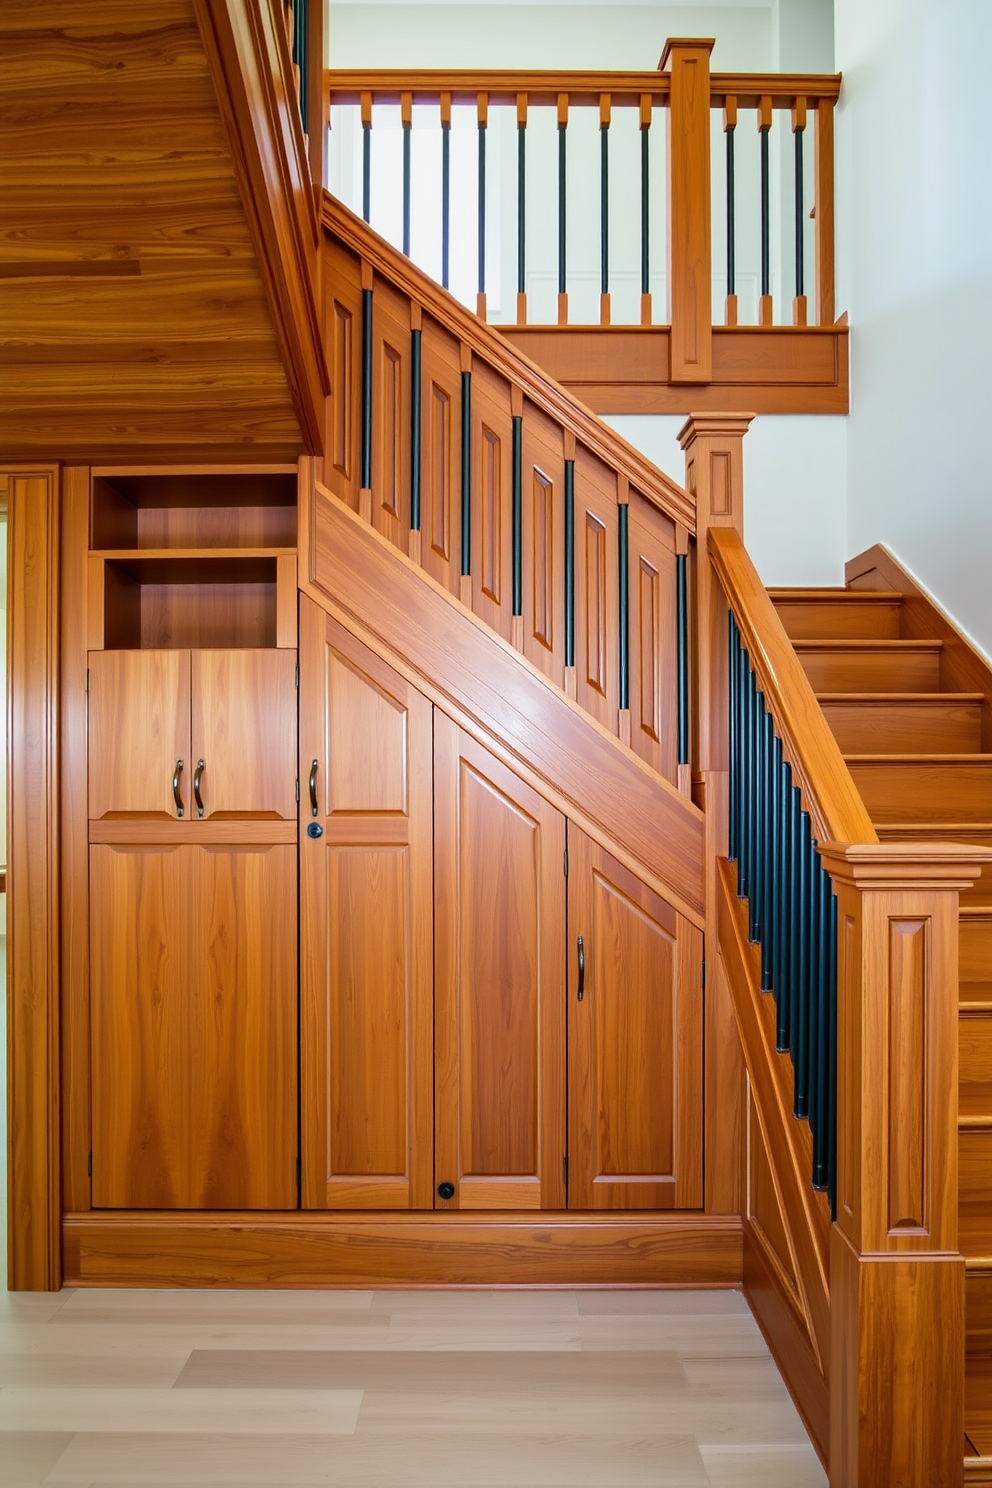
(573, 192)
(547, 525)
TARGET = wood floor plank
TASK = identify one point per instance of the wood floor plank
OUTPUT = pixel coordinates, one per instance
(142, 1412)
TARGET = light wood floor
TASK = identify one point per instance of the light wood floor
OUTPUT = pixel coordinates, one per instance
(383, 1389)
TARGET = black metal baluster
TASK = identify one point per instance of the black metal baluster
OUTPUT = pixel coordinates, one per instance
(623, 529)
(730, 134)
(778, 871)
(604, 208)
(734, 737)
(764, 131)
(300, 55)
(569, 563)
(415, 364)
(645, 205)
(445, 187)
(768, 853)
(788, 913)
(682, 641)
(754, 844)
(798, 136)
(518, 445)
(562, 205)
(820, 1101)
(744, 779)
(466, 474)
(796, 899)
(366, 390)
(406, 115)
(800, 1033)
(747, 781)
(483, 114)
(521, 207)
(367, 156)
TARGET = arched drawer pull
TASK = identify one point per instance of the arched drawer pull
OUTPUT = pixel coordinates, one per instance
(180, 808)
(197, 777)
(582, 969)
(313, 788)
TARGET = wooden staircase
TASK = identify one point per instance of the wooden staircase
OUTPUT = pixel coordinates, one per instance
(919, 750)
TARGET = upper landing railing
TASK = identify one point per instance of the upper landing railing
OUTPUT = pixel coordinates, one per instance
(720, 220)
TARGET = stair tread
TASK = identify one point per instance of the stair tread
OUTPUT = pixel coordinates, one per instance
(862, 596)
(900, 699)
(861, 643)
(975, 997)
(975, 1235)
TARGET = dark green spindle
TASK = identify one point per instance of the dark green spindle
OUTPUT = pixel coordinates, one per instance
(415, 364)
(366, 389)
(518, 583)
(466, 474)
(569, 563)
(682, 662)
(623, 541)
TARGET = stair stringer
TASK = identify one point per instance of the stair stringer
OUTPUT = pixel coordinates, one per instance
(790, 1294)
(496, 695)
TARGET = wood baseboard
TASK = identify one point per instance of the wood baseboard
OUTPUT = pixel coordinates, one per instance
(788, 1343)
(402, 1250)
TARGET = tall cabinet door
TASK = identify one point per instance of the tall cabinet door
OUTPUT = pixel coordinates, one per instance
(193, 1017)
(138, 733)
(499, 983)
(635, 1041)
(243, 729)
(366, 919)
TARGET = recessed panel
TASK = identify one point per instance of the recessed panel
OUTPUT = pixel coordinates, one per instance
(367, 745)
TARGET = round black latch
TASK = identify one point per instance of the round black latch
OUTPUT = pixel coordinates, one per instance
(446, 1190)
(315, 830)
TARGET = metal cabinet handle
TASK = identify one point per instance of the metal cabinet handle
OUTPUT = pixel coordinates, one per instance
(197, 777)
(313, 788)
(180, 808)
(582, 969)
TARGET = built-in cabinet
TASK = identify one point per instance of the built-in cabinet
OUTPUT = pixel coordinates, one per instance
(192, 810)
(485, 992)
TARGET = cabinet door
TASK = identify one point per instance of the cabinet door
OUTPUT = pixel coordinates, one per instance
(138, 731)
(366, 919)
(243, 727)
(193, 997)
(499, 982)
(635, 1041)
(139, 1027)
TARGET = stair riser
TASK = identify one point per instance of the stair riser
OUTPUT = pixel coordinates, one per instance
(978, 1311)
(942, 792)
(975, 948)
(975, 1043)
(837, 619)
(905, 728)
(975, 1178)
(870, 671)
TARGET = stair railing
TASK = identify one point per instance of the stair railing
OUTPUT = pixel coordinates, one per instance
(857, 943)
(666, 188)
(558, 534)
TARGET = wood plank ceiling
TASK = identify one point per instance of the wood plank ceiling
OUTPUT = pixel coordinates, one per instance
(133, 318)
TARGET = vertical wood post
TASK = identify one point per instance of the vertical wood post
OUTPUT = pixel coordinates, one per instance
(896, 1277)
(689, 248)
(318, 115)
(824, 156)
(713, 445)
(33, 1177)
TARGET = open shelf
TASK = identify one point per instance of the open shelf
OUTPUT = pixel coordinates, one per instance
(182, 508)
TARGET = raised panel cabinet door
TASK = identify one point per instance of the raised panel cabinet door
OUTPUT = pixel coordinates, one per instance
(499, 890)
(366, 927)
(240, 1086)
(635, 1041)
(139, 739)
(243, 730)
(139, 1028)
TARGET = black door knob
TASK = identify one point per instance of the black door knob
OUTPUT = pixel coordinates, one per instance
(446, 1190)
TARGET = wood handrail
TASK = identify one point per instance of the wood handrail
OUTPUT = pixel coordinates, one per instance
(547, 395)
(829, 792)
(583, 89)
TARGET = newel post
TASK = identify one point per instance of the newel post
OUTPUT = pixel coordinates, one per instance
(714, 477)
(690, 292)
(896, 1276)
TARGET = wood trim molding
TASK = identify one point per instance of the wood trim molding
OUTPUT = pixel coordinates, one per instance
(756, 369)
(33, 1176)
(382, 1250)
(248, 54)
(499, 697)
(488, 344)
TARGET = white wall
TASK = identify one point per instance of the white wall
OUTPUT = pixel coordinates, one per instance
(915, 258)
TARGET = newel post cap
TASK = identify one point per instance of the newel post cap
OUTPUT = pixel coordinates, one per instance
(891, 866)
(709, 425)
(685, 44)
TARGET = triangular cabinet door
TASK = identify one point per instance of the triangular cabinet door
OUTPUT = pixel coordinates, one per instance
(635, 1041)
(243, 733)
(139, 733)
